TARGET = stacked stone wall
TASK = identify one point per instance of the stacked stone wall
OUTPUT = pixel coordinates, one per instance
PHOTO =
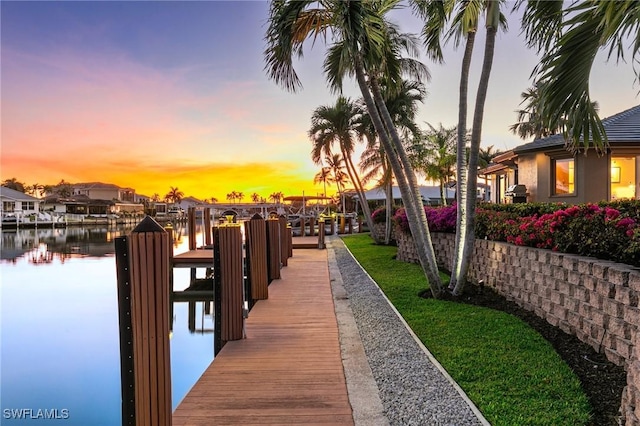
(595, 300)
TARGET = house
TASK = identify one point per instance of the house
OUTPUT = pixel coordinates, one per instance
(430, 195)
(17, 204)
(104, 191)
(551, 173)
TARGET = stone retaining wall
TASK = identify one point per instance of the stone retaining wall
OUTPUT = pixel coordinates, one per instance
(595, 300)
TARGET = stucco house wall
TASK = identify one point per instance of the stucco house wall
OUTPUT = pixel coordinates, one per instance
(593, 178)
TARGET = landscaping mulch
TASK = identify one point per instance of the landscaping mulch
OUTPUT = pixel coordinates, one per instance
(602, 381)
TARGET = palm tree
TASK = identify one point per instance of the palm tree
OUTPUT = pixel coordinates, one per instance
(569, 40)
(255, 198)
(339, 124)
(464, 16)
(435, 155)
(530, 122)
(402, 107)
(36, 189)
(276, 197)
(240, 196)
(174, 195)
(231, 196)
(336, 166)
(486, 156)
(367, 46)
(324, 177)
(155, 197)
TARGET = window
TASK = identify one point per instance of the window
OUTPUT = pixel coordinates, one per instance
(8, 206)
(564, 171)
(28, 205)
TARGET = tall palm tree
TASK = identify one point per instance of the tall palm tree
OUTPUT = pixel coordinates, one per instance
(464, 18)
(155, 197)
(255, 198)
(402, 106)
(324, 177)
(569, 39)
(336, 166)
(276, 197)
(338, 124)
(174, 195)
(435, 155)
(366, 46)
(240, 196)
(36, 189)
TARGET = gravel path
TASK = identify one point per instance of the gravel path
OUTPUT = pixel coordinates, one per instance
(413, 388)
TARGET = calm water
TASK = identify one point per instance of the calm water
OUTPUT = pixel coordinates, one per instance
(59, 327)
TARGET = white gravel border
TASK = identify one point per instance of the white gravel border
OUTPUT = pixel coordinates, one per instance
(412, 386)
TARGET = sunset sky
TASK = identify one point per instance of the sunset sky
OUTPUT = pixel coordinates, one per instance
(173, 93)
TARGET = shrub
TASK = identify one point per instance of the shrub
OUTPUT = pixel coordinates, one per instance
(604, 230)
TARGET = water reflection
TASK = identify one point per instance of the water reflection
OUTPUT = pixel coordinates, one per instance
(59, 324)
(61, 244)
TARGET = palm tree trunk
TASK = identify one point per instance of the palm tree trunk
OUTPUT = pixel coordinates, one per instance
(461, 178)
(355, 178)
(389, 207)
(420, 228)
(476, 135)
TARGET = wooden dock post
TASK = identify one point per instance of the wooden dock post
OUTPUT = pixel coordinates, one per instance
(284, 241)
(332, 224)
(350, 225)
(207, 226)
(321, 231)
(341, 224)
(143, 266)
(303, 225)
(289, 240)
(255, 232)
(229, 282)
(312, 226)
(191, 226)
(273, 248)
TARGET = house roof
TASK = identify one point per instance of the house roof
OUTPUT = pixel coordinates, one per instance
(623, 127)
(97, 185)
(16, 195)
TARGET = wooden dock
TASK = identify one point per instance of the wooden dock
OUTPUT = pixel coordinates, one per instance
(203, 258)
(288, 369)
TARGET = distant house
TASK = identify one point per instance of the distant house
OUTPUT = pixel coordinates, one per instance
(430, 195)
(104, 191)
(553, 174)
(77, 205)
(17, 204)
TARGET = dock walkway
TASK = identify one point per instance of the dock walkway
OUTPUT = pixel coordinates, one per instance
(289, 368)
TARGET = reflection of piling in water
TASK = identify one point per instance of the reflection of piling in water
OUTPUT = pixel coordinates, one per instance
(143, 266)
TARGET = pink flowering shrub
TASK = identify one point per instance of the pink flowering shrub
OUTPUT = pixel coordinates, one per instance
(605, 231)
(440, 219)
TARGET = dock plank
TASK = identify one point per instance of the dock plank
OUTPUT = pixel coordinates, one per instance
(289, 368)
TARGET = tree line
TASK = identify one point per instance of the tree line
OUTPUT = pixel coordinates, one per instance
(363, 44)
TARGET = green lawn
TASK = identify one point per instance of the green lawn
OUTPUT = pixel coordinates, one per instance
(508, 370)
